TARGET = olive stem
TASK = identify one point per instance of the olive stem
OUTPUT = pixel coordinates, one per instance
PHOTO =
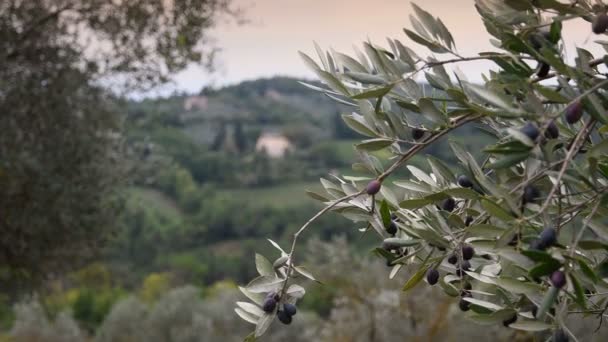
(582, 230)
(311, 220)
(569, 156)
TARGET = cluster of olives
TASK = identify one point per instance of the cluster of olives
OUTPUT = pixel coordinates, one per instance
(286, 314)
(574, 113)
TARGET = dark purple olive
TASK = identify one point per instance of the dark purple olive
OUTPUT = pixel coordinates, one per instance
(509, 321)
(432, 276)
(269, 305)
(574, 112)
(417, 133)
(373, 187)
(392, 228)
(531, 194)
(558, 279)
(531, 131)
(284, 317)
(464, 181)
(467, 252)
(543, 70)
(453, 259)
(464, 266)
(552, 131)
(548, 237)
(560, 336)
(599, 24)
(464, 305)
(536, 40)
(448, 204)
(515, 239)
(537, 245)
(273, 295)
(468, 220)
(290, 309)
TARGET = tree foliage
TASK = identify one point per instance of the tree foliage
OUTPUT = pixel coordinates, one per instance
(518, 232)
(60, 147)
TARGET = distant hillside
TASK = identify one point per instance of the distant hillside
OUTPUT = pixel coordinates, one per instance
(265, 104)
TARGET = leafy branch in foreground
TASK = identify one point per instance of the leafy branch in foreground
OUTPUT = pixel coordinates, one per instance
(519, 229)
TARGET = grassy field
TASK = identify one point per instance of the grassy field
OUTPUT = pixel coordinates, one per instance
(281, 196)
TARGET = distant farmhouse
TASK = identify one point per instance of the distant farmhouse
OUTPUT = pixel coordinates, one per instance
(273, 144)
(196, 102)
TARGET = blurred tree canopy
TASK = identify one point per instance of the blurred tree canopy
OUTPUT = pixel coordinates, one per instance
(61, 151)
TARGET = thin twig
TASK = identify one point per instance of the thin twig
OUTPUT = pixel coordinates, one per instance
(582, 230)
(415, 149)
(569, 156)
(311, 220)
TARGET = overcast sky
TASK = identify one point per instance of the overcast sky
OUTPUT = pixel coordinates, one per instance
(268, 45)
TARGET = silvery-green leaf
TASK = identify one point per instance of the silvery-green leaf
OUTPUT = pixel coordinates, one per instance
(247, 317)
(280, 262)
(349, 62)
(319, 89)
(305, 272)
(374, 144)
(482, 278)
(257, 298)
(519, 287)
(416, 278)
(358, 125)
(321, 56)
(492, 318)
(421, 175)
(483, 303)
(485, 95)
(317, 196)
(373, 93)
(414, 203)
(365, 78)
(333, 82)
(394, 271)
(520, 136)
(496, 210)
(263, 266)
(309, 61)
(485, 230)
(264, 284)
(263, 324)
(598, 150)
(339, 100)
(430, 111)
(276, 245)
(406, 184)
(515, 257)
(296, 291)
(433, 46)
(532, 325)
(251, 308)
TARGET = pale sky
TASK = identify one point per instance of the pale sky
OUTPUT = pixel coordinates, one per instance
(268, 46)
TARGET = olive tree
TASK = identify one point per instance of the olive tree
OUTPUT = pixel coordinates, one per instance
(518, 230)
